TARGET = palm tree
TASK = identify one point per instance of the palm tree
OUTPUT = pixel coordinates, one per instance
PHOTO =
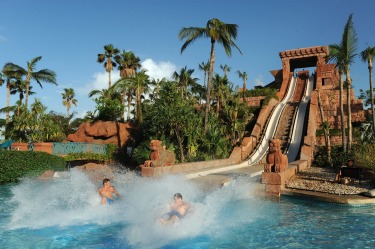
(156, 83)
(349, 42)
(44, 75)
(68, 99)
(140, 83)
(109, 53)
(344, 54)
(183, 79)
(205, 67)
(216, 31)
(124, 87)
(368, 56)
(19, 87)
(243, 75)
(220, 91)
(225, 69)
(128, 63)
(335, 54)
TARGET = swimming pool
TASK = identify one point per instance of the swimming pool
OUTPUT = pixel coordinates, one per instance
(65, 213)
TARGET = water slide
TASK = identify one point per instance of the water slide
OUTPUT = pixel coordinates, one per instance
(297, 133)
(262, 148)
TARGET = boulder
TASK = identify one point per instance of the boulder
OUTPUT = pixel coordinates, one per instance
(102, 132)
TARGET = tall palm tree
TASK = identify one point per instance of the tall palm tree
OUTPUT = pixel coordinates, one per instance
(368, 56)
(345, 54)
(44, 75)
(128, 63)
(243, 75)
(205, 67)
(68, 99)
(141, 84)
(216, 31)
(349, 42)
(109, 53)
(124, 87)
(226, 69)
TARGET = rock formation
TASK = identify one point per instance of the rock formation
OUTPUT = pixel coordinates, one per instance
(102, 132)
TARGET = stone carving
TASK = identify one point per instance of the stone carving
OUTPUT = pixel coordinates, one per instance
(159, 156)
(275, 161)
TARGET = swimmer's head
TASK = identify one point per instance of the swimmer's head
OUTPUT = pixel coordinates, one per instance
(106, 180)
(177, 196)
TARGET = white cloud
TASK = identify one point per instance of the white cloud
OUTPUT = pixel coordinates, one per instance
(159, 70)
(259, 81)
(99, 82)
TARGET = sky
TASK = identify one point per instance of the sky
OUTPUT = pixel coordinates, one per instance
(69, 34)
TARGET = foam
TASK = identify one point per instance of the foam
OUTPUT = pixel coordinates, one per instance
(74, 201)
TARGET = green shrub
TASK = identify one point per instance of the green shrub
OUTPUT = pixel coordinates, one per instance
(338, 156)
(364, 155)
(17, 164)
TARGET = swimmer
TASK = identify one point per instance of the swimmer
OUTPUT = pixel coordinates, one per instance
(179, 208)
(107, 192)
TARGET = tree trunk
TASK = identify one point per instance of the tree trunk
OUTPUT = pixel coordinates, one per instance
(8, 101)
(129, 104)
(210, 75)
(179, 141)
(244, 89)
(123, 105)
(326, 131)
(350, 128)
(343, 133)
(371, 95)
(109, 79)
(139, 107)
(27, 89)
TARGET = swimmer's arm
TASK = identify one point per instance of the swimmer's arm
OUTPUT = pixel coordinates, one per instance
(116, 193)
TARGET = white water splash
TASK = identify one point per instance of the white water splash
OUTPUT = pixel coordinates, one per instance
(75, 201)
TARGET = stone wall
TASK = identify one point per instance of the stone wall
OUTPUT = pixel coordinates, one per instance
(331, 106)
(254, 101)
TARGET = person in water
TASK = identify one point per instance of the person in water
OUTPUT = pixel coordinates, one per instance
(179, 208)
(108, 192)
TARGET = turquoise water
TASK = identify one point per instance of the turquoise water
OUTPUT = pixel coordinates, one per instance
(65, 213)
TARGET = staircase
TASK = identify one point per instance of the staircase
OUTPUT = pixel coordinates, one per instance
(285, 125)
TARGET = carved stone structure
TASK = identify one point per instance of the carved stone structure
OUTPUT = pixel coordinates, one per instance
(159, 156)
(275, 161)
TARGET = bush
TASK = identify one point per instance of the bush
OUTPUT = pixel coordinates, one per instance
(17, 164)
(364, 155)
(339, 157)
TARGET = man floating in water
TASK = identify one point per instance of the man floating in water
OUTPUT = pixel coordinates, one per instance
(178, 210)
(108, 192)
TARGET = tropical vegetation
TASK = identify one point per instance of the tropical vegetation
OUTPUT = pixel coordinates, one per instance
(197, 120)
